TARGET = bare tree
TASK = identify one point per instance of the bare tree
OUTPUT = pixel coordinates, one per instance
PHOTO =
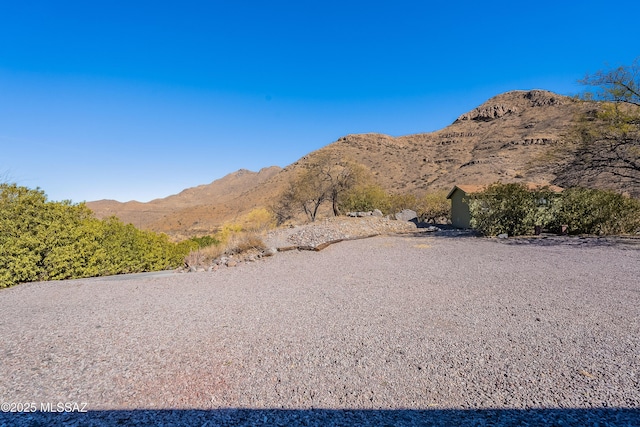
(621, 84)
(327, 178)
(608, 138)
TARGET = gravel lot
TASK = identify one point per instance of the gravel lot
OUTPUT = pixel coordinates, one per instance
(404, 330)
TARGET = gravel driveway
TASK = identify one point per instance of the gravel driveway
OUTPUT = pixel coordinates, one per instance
(408, 330)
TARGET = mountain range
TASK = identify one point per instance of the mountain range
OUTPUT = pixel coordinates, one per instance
(518, 136)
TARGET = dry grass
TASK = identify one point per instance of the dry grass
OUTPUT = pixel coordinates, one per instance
(239, 243)
(244, 242)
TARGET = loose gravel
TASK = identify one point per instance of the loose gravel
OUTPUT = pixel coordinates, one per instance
(399, 330)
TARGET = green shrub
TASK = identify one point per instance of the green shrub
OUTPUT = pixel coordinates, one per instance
(399, 202)
(43, 240)
(365, 198)
(434, 206)
(204, 241)
(512, 209)
(588, 211)
(515, 210)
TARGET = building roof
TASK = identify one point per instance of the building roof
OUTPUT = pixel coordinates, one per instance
(470, 188)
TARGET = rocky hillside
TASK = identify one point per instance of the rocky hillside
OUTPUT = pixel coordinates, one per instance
(512, 137)
(196, 210)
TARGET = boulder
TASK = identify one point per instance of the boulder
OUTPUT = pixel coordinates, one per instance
(407, 215)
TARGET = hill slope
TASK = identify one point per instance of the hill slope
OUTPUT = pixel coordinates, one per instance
(505, 139)
(185, 210)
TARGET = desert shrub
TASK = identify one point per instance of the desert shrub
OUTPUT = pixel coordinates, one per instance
(204, 255)
(44, 240)
(233, 238)
(364, 199)
(399, 202)
(204, 241)
(226, 231)
(258, 220)
(434, 206)
(244, 242)
(512, 209)
(589, 211)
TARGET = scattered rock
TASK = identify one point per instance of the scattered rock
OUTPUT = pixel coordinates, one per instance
(406, 215)
(503, 236)
(231, 263)
(377, 213)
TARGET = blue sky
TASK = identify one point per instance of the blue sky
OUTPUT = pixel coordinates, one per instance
(139, 100)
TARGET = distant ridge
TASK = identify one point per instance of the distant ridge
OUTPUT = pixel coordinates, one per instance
(181, 210)
(506, 139)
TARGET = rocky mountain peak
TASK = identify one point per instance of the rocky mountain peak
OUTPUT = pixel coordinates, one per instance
(513, 102)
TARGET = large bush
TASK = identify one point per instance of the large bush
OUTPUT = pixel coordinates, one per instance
(433, 207)
(512, 209)
(44, 240)
(588, 211)
(365, 198)
(516, 210)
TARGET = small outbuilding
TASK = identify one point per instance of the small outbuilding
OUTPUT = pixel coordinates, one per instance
(459, 195)
(460, 214)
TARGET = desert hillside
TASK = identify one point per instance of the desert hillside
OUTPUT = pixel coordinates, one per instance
(511, 137)
(185, 210)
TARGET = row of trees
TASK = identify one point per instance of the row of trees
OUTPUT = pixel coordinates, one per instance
(45, 240)
(347, 187)
(515, 210)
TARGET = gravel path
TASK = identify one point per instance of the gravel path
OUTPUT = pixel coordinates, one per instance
(405, 330)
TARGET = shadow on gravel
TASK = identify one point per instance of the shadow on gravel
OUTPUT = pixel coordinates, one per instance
(624, 242)
(331, 417)
(576, 241)
(445, 231)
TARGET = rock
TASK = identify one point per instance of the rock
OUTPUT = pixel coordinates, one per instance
(503, 236)
(377, 212)
(231, 263)
(269, 252)
(406, 215)
(360, 214)
(432, 228)
(488, 112)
